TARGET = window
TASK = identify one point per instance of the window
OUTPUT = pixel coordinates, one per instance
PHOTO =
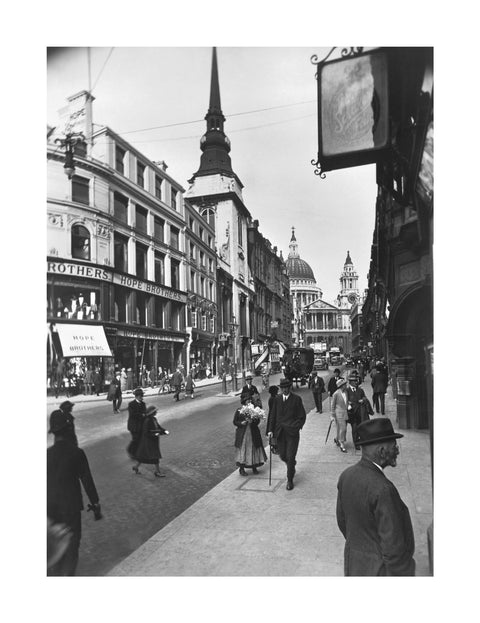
(140, 174)
(120, 300)
(120, 159)
(120, 244)
(212, 324)
(192, 251)
(200, 233)
(158, 312)
(141, 259)
(80, 242)
(158, 228)
(175, 274)
(141, 219)
(80, 188)
(191, 224)
(202, 259)
(192, 280)
(174, 199)
(159, 268)
(120, 207)
(140, 308)
(204, 322)
(209, 215)
(158, 187)
(210, 265)
(193, 318)
(240, 233)
(174, 233)
(210, 291)
(210, 242)
(202, 286)
(73, 303)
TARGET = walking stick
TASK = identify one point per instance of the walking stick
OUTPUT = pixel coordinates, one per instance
(270, 467)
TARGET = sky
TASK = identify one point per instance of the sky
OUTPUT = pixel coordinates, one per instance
(269, 99)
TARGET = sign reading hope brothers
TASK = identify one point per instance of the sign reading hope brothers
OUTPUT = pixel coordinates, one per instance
(103, 274)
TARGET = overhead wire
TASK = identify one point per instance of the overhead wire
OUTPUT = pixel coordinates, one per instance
(255, 127)
(101, 70)
(235, 114)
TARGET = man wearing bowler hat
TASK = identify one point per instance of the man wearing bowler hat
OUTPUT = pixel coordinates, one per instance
(286, 419)
(248, 390)
(370, 513)
(136, 413)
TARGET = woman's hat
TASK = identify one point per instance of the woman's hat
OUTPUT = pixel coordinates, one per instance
(66, 405)
(285, 383)
(341, 382)
(375, 430)
(151, 409)
(138, 392)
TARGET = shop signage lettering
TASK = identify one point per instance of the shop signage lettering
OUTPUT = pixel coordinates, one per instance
(92, 272)
(149, 288)
(79, 270)
(147, 336)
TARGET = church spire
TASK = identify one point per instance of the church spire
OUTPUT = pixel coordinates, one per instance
(214, 144)
(293, 246)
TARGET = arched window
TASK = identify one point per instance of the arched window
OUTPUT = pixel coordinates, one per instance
(80, 242)
(209, 215)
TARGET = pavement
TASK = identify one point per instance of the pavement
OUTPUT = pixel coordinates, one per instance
(247, 527)
(151, 391)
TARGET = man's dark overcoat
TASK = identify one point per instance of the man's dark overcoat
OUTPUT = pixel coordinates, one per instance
(288, 415)
(248, 393)
(375, 523)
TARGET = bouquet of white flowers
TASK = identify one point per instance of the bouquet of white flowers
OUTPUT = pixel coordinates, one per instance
(251, 413)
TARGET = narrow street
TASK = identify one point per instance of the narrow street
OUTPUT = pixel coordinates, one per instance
(197, 455)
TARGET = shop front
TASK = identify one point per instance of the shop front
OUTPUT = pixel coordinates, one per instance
(200, 353)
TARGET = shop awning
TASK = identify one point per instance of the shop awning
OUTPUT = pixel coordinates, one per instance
(83, 340)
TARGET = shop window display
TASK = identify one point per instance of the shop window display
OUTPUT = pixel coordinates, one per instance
(73, 303)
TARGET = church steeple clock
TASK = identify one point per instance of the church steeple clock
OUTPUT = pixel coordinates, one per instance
(348, 281)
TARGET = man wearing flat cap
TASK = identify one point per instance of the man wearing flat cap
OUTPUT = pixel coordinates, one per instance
(136, 413)
(370, 513)
(286, 418)
(248, 390)
(67, 467)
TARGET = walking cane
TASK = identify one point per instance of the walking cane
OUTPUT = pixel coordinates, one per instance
(270, 467)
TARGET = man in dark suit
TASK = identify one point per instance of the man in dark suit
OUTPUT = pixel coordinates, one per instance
(379, 387)
(332, 383)
(286, 419)
(136, 413)
(67, 467)
(248, 390)
(370, 513)
(355, 397)
(317, 385)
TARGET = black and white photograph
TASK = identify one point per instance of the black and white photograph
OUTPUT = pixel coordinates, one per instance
(241, 311)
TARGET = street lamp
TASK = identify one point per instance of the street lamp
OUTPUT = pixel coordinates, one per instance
(69, 142)
(233, 325)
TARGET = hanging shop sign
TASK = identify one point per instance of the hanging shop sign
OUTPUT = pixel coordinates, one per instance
(223, 337)
(83, 340)
(353, 110)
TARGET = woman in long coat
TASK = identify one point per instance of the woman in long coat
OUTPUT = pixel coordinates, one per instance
(339, 409)
(248, 443)
(148, 449)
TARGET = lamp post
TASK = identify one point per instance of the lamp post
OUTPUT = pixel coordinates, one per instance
(233, 325)
(69, 142)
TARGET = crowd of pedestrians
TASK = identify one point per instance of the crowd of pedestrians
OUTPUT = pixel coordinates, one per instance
(370, 513)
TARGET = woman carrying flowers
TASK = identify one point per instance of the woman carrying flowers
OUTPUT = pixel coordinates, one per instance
(248, 439)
